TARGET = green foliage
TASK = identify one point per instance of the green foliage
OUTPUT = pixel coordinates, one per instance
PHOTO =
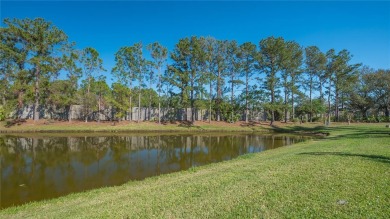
(295, 120)
(34, 51)
(315, 67)
(60, 93)
(230, 113)
(315, 107)
(120, 99)
(145, 93)
(383, 119)
(2, 113)
(36, 43)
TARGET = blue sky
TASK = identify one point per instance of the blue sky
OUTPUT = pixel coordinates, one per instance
(363, 28)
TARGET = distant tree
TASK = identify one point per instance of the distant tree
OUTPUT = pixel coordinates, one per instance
(92, 64)
(233, 69)
(120, 96)
(380, 84)
(330, 69)
(60, 94)
(315, 66)
(70, 64)
(361, 97)
(159, 54)
(14, 75)
(166, 80)
(139, 65)
(180, 70)
(219, 70)
(7, 64)
(210, 66)
(307, 107)
(342, 75)
(42, 42)
(270, 62)
(256, 99)
(291, 69)
(248, 55)
(103, 93)
(125, 71)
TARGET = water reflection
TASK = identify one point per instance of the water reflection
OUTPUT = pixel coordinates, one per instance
(39, 167)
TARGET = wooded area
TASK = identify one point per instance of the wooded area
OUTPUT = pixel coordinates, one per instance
(228, 79)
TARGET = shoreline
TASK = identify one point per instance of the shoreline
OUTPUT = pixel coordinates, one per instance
(94, 127)
(42, 126)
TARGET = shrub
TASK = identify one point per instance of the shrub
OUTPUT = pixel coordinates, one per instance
(2, 113)
(383, 119)
(316, 119)
(371, 119)
(295, 120)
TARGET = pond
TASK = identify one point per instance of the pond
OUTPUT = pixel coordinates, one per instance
(42, 166)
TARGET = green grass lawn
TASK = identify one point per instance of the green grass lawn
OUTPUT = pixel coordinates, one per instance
(345, 175)
(77, 126)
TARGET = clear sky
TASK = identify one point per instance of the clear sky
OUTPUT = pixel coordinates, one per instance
(363, 28)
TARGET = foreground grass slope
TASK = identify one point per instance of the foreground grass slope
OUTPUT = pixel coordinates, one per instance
(346, 175)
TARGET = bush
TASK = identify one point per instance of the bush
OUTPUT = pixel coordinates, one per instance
(317, 119)
(2, 113)
(371, 119)
(383, 119)
(295, 120)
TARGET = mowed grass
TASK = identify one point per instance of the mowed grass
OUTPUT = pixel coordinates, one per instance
(146, 126)
(345, 175)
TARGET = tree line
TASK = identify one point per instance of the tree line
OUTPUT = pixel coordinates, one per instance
(228, 79)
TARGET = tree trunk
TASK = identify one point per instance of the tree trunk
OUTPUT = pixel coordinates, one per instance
(272, 103)
(285, 104)
(192, 101)
(246, 99)
(36, 104)
(139, 106)
(150, 106)
(232, 99)
(4, 101)
(159, 90)
(99, 107)
(87, 107)
(310, 99)
(130, 106)
(272, 89)
(150, 98)
(292, 106)
(321, 99)
(86, 114)
(211, 90)
(70, 113)
(336, 103)
(159, 110)
(219, 94)
(329, 109)
(130, 109)
(292, 116)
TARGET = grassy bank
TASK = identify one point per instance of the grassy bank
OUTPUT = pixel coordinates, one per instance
(345, 175)
(124, 126)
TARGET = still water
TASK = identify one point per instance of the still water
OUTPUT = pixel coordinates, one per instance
(42, 166)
